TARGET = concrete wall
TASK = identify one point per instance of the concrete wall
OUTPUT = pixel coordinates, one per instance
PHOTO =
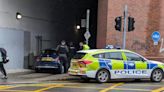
(18, 36)
(13, 42)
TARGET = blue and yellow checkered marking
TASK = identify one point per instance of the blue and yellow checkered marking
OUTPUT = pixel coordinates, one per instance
(151, 65)
(104, 63)
(131, 65)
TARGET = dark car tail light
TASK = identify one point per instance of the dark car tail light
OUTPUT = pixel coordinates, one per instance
(38, 59)
(56, 59)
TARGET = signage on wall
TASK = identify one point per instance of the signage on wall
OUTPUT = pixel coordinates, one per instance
(155, 37)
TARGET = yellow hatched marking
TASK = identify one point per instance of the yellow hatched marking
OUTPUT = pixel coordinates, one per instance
(158, 90)
(111, 87)
(52, 86)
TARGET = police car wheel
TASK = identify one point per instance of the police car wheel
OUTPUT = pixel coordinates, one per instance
(157, 75)
(102, 76)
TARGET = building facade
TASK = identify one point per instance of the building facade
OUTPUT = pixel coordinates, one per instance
(149, 17)
(19, 37)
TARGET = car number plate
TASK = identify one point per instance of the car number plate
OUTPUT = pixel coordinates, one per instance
(47, 59)
(75, 66)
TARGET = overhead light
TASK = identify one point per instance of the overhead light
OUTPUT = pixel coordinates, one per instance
(78, 26)
(18, 15)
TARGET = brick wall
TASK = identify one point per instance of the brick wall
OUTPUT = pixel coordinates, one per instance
(148, 16)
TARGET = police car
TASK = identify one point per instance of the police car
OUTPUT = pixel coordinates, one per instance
(104, 64)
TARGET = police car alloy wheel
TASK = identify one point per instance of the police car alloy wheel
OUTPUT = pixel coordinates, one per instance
(102, 76)
(157, 75)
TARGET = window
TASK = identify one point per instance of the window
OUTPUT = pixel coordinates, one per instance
(101, 55)
(49, 52)
(114, 55)
(133, 57)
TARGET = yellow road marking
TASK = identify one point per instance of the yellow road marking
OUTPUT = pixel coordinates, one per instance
(158, 90)
(111, 87)
(3, 87)
(16, 91)
(132, 89)
(7, 87)
(44, 89)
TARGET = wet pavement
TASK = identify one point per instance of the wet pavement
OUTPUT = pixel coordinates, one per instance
(45, 82)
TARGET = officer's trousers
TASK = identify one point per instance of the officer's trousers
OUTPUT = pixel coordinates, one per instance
(2, 69)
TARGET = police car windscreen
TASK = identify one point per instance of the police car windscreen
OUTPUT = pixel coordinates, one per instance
(79, 55)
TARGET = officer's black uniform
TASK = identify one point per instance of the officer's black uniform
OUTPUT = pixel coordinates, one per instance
(63, 52)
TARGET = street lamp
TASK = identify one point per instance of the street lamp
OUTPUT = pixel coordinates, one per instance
(78, 27)
(18, 15)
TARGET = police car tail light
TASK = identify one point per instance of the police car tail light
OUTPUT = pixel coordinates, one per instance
(86, 62)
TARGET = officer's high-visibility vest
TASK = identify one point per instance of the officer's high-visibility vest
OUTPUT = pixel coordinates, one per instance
(86, 47)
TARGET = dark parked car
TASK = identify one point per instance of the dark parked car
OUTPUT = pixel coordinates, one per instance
(49, 59)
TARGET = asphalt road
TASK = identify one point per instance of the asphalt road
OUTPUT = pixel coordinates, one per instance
(45, 82)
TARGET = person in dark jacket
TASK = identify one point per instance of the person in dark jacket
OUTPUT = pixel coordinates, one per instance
(63, 50)
(3, 59)
(72, 51)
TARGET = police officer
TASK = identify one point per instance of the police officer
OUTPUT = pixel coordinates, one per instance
(3, 59)
(84, 46)
(72, 51)
(63, 50)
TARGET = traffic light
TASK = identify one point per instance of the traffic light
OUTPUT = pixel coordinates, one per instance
(131, 22)
(118, 21)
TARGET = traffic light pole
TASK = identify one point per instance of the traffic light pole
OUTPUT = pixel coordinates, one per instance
(125, 27)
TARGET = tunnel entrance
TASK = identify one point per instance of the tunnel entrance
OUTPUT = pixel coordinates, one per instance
(68, 14)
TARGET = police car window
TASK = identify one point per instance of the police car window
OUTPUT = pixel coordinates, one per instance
(114, 55)
(102, 55)
(79, 55)
(133, 57)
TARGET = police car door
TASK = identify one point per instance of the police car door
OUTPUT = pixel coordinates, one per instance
(135, 66)
(116, 64)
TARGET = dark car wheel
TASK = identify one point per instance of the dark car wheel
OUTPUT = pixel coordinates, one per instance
(102, 76)
(157, 75)
(37, 70)
(60, 70)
